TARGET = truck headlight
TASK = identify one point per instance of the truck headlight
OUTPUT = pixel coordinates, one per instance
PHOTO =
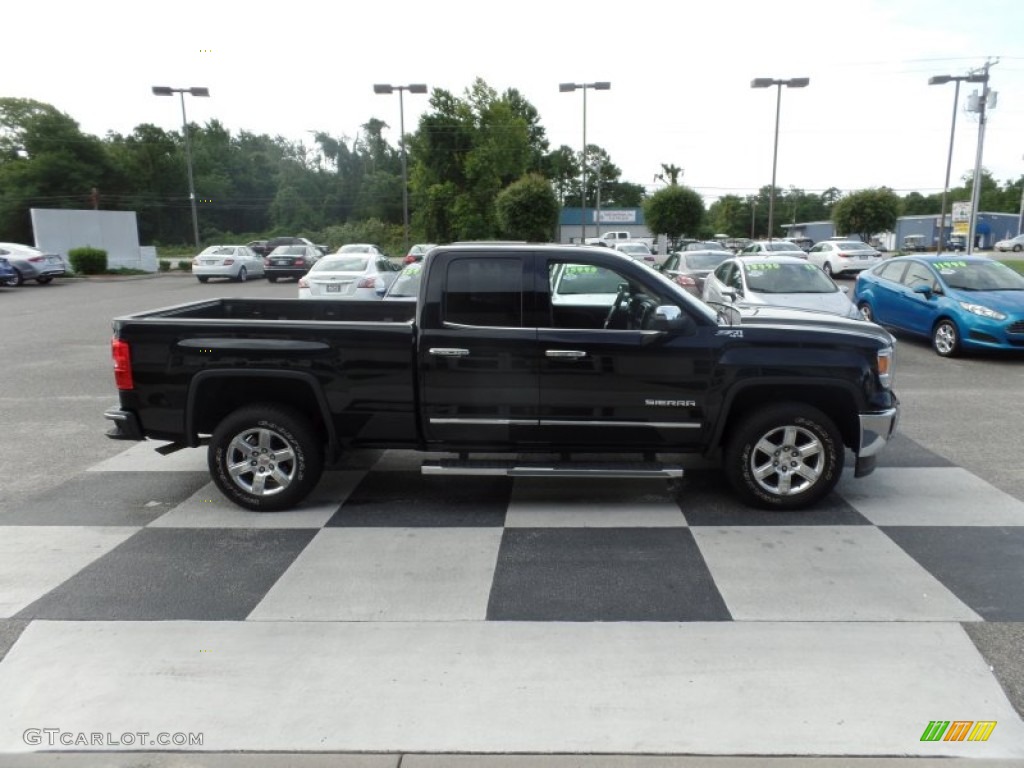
(979, 309)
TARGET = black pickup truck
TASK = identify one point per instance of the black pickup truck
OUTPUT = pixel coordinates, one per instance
(510, 349)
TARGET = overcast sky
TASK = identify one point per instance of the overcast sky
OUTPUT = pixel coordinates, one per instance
(680, 75)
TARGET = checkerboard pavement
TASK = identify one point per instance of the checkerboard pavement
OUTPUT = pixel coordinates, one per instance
(490, 583)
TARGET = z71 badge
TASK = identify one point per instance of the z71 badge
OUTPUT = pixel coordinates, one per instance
(730, 334)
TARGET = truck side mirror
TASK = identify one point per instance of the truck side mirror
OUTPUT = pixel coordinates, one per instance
(669, 317)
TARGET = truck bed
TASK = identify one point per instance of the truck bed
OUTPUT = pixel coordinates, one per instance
(301, 310)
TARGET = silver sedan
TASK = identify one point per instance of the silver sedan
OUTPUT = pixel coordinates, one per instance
(348, 276)
(780, 281)
(32, 264)
(235, 262)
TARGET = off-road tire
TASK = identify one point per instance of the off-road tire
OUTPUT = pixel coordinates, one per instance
(784, 457)
(265, 457)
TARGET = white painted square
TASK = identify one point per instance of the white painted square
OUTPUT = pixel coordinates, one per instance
(929, 496)
(822, 573)
(143, 457)
(387, 574)
(35, 559)
(209, 508)
(499, 688)
(592, 503)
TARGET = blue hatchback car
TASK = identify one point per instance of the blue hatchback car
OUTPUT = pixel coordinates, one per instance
(7, 274)
(959, 302)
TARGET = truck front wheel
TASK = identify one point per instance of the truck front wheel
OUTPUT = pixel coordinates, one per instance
(785, 457)
(265, 457)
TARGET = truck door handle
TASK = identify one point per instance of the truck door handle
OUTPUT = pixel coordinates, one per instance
(448, 352)
(563, 353)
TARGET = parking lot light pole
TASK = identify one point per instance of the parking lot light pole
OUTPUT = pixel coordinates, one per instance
(1020, 216)
(565, 88)
(163, 90)
(413, 88)
(768, 82)
(942, 80)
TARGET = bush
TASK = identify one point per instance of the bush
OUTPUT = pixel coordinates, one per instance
(88, 261)
(165, 266)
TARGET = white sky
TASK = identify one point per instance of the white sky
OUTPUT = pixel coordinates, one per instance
(680, 75)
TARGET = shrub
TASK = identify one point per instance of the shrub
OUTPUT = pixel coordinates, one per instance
(165, 266)
(88, 260)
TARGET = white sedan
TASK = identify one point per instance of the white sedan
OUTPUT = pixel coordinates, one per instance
(780, 281)
(1015, 244)
(837, 257)
(359, 276)
(235, 262)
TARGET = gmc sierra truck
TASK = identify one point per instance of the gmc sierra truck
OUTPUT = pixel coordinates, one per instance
(512, 350)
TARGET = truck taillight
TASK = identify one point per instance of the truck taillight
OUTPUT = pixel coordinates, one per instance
(122, 364)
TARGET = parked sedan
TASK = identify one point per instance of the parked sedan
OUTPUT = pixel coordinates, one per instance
(690, 268)
(348, 276)
(235, 262)
(417, 252)
(638, 251)
(32, 264)
(780, 281)
(837, 257)
(406, 287)
(1015, 244)
(287, 261)
(368, 249)
(963, 302)
(772, 248)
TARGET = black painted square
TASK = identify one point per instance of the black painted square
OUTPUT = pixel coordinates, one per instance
(983, 565)
(603, 574)
(411, 500)
(707, 499)
(213, 574)
(107, 498)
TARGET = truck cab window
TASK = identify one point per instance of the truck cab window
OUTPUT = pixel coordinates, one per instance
(485, 291)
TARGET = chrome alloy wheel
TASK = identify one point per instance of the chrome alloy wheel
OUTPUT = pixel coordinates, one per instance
(787, 460)
(261, 462)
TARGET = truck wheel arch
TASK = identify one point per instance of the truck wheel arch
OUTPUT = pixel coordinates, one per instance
(200, 417)
(837, 400)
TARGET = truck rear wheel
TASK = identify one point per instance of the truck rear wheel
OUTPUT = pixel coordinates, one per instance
(265, 457)
(785, 457)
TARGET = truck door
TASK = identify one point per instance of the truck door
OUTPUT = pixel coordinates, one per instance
(606, 378)
(477, 361)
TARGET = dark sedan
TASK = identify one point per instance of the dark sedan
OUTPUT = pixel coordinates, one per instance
(290, 261)
(689, 268)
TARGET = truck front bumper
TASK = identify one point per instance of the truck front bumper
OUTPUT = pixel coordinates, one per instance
(126, 425)
(875, 431)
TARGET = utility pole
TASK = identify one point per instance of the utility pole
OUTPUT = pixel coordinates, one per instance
(982, 103)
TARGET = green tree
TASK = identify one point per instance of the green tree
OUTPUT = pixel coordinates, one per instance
(675, 210)
(45, 161)
(867, 212)
(528, 210)
(465, 152)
